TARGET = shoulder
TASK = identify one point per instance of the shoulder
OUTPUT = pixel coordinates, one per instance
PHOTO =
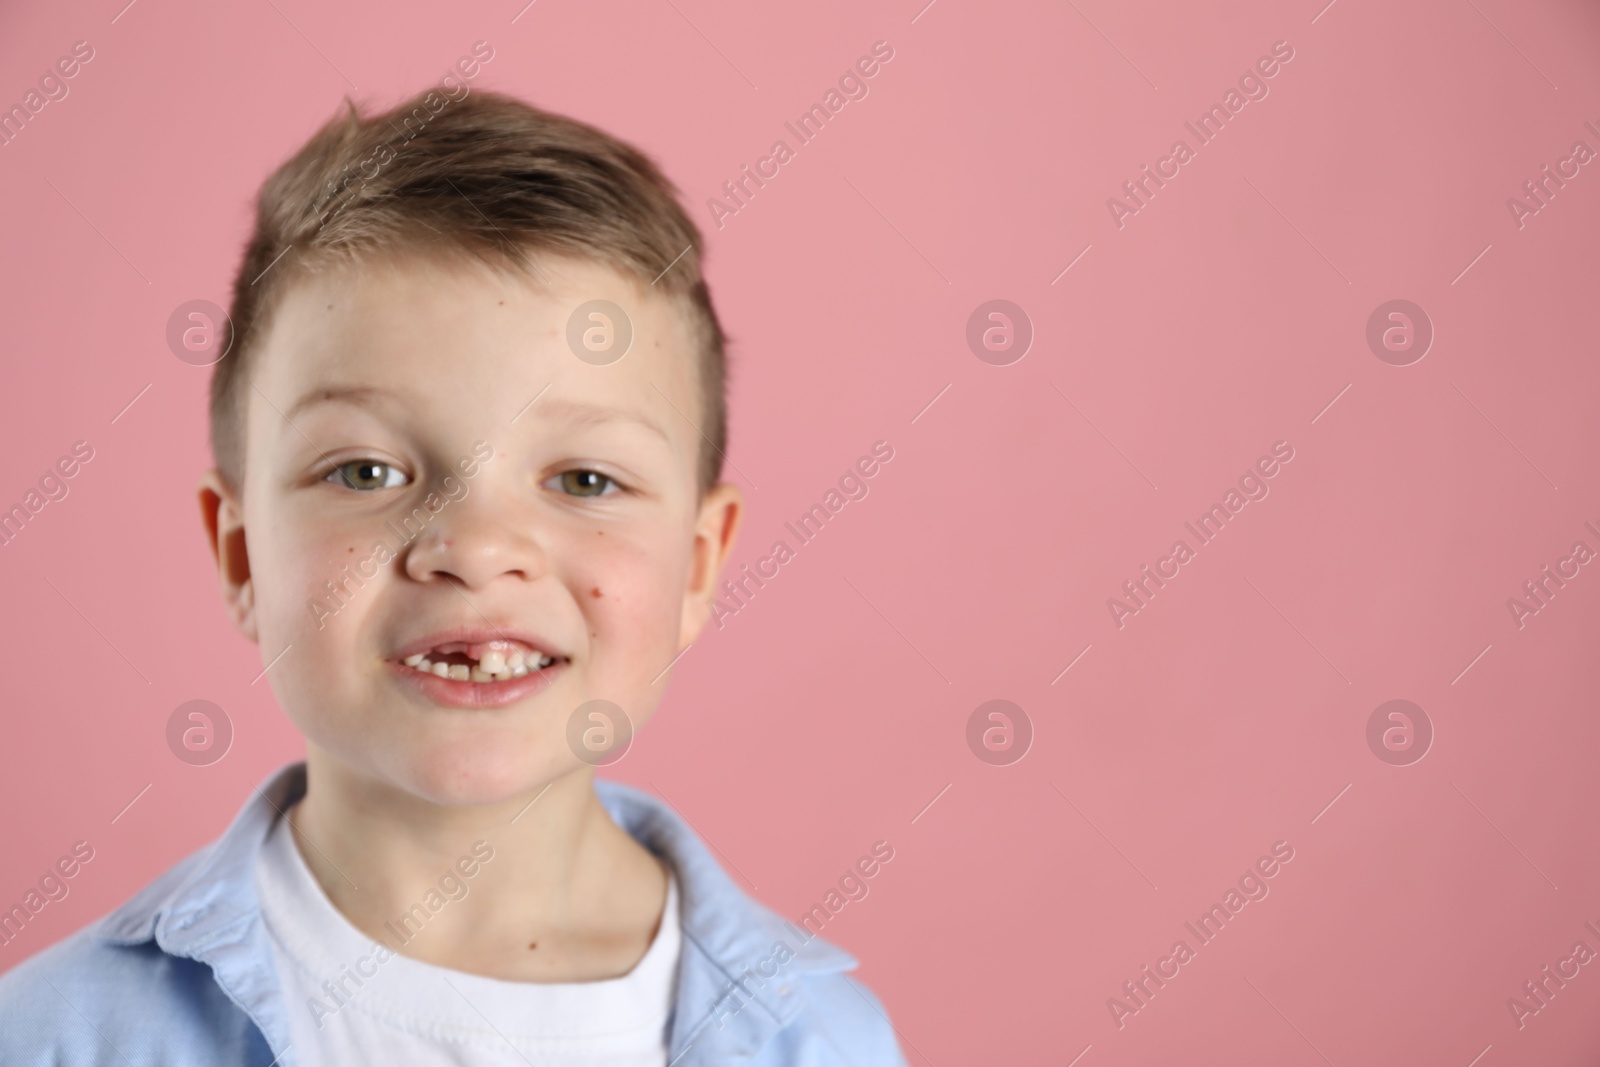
(841, 1021)
(751, 979)
(109, 994)
(87, 1000)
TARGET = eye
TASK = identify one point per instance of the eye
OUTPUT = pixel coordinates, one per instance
(585, 483)
(367, 474)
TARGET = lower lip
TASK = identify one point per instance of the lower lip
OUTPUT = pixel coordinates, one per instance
(458, 694)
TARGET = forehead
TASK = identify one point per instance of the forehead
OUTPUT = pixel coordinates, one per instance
(468, 342)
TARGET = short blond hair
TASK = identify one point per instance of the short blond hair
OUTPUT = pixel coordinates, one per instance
(484, 177)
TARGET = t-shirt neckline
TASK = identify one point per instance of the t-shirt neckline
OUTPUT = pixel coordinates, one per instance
(429, 1001)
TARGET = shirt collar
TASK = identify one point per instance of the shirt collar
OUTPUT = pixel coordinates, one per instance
(729, 1002)
(736, 986)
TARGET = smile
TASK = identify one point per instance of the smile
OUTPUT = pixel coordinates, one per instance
(478, 668)
(485, 663)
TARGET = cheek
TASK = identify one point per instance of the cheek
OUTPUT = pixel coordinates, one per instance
(294, 573)
(629, 585)
(292, 564)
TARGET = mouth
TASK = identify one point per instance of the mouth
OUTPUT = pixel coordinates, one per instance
(473, 670)
(481, 663)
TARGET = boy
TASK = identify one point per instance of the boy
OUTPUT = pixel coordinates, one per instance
(467, 500)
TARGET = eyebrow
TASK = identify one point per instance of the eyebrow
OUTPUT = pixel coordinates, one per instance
(571, 410)
(596, 414)
(357, 395)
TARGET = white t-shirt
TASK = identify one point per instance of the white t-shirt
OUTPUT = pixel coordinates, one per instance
(382, 1007)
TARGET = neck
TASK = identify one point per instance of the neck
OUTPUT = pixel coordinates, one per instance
(547, 869)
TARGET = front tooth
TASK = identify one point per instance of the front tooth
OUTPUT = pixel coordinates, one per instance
(516, 659)
(412, 661)
(459, 671)
(493, 661)
(478, 674)
(519, 670)
(441, 669)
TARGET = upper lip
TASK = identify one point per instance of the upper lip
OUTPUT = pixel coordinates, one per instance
(478, 635)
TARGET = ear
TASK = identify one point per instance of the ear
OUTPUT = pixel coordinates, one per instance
(715, 532)
(222, 514)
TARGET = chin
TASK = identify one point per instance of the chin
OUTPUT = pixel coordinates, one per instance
(466, 774)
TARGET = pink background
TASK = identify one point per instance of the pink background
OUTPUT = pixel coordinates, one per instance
(1222, 318)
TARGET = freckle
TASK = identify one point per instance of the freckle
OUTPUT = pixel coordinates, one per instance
(595, 592)
(352, 548)
(531, 944)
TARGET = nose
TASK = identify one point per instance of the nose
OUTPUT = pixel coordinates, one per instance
(476, 539)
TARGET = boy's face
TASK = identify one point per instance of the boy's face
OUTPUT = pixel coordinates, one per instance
(376, 396)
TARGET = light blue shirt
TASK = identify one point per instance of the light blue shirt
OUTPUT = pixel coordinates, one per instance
(183, 973)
